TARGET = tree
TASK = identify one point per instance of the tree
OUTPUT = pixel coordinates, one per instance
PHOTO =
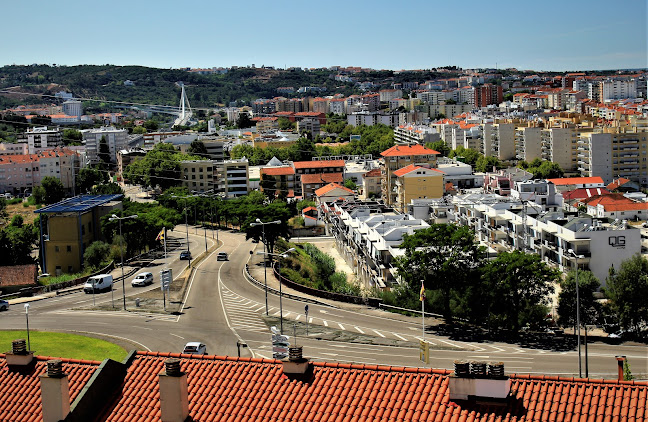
(160, 167)
(485, 164)
(587, 286)
(151, 125)
(104, 150)
(467, 155)
(197, 147)
(88, 177)
(139, 130)
(95, 254)
(252, 207)
(17, 220)
(350, 184)
(38, 193)
(444, 256)
(54, 190)
(439, 146)
(627, 290)
(107, 189)
(286, 124)
(244, 121)
(72, 137)
(518, 285)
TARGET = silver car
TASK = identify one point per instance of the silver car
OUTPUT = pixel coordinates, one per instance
(142, 279)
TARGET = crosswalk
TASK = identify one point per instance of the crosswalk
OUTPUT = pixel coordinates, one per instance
(247, 315)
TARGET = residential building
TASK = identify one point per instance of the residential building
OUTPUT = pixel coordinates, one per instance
(389, 94)
(528, 143)
(310, 183)
(615, 89)
(280, 179)
(146, 386)
(499, 140)
(116, 139)
(560, 145)
(19, 173)
(197, 175)
(415, 134)
(41, 138)
(400, 156)
(266, 124)
(19, 148)
(488, 94)
(71, 226)
(126, 157)
(331, 192)
(467, 135)
(231, 178)
(417, 182)
(369, 118)
(73, 108)
(370, 185)
(337, 106)
(311, 126)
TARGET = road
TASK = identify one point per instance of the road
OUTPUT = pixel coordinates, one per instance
(222, 307)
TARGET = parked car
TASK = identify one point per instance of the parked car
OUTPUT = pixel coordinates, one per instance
(142, 279)
(98, 283)
(185, 255)
(222, 256)
(4, 305)
(195, 348)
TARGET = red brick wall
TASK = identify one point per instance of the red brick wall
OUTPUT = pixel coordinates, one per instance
(18, 275)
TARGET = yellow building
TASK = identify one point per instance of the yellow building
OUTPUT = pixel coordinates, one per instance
(400, 156)
(417, 182)
(197, 175)
(71, 226)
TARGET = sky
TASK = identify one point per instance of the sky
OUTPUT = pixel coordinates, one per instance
(407, 34)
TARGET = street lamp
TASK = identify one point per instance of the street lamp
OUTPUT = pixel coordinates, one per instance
(280, 255)
(265, 272)
(27, 316)
(186, 223)
(121, 252)
(571, 252)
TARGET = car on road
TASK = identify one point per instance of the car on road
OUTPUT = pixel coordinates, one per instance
(142, 279)
(98, 283)
(4, 305)
(195, 348)
(222, 256)
(185, 255)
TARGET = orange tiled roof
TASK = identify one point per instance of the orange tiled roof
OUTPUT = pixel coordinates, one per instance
(575, 180)
(321, 178)
(230, 388)
(318, 164)
(405, 150)
(618, 182)
(412, 167)
(609, 199)
(581, 193)
(328, 188)
(634, 206)
(373, 173)
(277, 171)
(21, 397)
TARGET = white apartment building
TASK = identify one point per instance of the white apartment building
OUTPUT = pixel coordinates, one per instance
(528, 143)
(73, 108)
(371, 118)
(41, 138)
(499, 140)
(117, 140)
(19, 148)
(560, 146)
(614, 154)
(468, 136)
(337, 106)
(231, 177)
(612, 89)
(415, 134)
(197, 175)
(505, 226)
(390, 94)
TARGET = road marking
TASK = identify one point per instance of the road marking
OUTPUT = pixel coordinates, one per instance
(259, 308)
(379, 333)
(341, 326)
(324, 321)
(175, 335)
(286, 315)
(297, 317)
(310, 321)
(400, 337)
(449, 343)
(324, 311)
(276, 313)
(358, 328)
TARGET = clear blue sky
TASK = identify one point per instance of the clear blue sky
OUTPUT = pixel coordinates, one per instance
(408, 34)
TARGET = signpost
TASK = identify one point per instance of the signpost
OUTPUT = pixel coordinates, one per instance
(280, 344)
(306, 312)
(166, 277)
(424, 351)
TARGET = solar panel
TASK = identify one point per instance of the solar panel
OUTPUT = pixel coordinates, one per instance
(80, 203)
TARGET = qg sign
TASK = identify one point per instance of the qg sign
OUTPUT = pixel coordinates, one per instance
(617, 242)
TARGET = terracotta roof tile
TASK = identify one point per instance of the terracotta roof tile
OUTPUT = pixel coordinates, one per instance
(405, 150)
(318, 164)
(328, 188)
(576, 180)
(278, 171)
(321, 178)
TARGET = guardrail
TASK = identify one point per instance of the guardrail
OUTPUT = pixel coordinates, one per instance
(369, 301)
(246, 273)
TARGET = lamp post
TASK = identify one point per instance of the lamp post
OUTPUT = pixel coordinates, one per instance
(279, 255)
(121, 252)
(186, 223)
(27, 317)
(580, 370)
(265, 272)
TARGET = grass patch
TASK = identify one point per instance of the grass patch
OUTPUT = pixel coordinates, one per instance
(64, 345)
(46, 281)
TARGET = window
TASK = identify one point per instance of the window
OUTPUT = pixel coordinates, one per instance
(69, 268)
(69, 248)
(56, 248)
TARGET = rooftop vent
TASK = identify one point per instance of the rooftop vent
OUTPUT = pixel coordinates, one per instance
(19, 357)
(296, 364)
(479, 381)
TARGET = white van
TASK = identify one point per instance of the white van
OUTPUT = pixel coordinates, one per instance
(98, 283)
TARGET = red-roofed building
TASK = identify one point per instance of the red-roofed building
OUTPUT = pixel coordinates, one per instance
(400, 156)
(571, 198)
(371, 183)
(218, 388)
(569, 183)
(617, 206)
(20, 172)
(417, 182)
(281, 180)
(312, 182)
(333, 191)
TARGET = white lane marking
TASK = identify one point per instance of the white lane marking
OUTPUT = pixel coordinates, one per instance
(400, 337)
(324, 321)
(259, 308)
(379, 333)
(360, 330)
(297, 317)
(175, 335)
(287, 315)
(112, 335)
(324, 311)
(341, 326)
(310, 321)
(449, 343)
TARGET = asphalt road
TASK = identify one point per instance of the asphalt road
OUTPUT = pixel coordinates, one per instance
(222, 307)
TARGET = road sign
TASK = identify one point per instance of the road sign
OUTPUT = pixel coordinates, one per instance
(166, 277)
(306, 310)
(280, 344)
(424, 351)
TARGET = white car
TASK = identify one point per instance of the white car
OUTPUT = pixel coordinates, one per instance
(195, 348)
(142, 279)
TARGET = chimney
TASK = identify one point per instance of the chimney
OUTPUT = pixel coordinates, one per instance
(55, 392)
(174, 393)
(19, 355)
(296, 364)
(620, 362)
(479, 381)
